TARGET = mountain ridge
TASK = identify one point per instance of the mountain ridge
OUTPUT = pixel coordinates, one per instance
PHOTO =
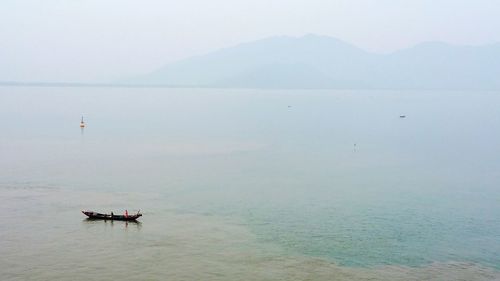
(313, 61)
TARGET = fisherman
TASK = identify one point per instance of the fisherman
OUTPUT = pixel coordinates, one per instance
(126, 213)
(112, 215)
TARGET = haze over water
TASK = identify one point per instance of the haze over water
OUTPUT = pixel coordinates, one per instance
(249, 184)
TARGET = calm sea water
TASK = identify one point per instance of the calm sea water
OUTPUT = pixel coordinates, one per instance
(249, 184)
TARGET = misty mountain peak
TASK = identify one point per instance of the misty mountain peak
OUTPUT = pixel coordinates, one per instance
(315, 61)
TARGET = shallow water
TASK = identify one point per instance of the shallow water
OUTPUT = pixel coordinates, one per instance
(249, 185)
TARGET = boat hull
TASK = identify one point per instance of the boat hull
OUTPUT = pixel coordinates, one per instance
(98, 216)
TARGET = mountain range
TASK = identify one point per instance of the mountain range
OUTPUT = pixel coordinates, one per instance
(320, 62)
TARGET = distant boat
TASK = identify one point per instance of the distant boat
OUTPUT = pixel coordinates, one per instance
(402, 116)
(98, 216)
(82, 124)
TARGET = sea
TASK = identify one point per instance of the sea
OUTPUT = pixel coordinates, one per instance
(248, 184)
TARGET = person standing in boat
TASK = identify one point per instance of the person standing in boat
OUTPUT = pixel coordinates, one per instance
(126, 214)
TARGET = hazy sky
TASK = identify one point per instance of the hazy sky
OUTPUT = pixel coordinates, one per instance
(99, 40)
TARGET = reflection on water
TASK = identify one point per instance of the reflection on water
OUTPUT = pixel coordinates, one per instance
(121, 224)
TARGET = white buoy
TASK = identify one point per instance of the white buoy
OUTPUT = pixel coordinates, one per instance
(82, 124)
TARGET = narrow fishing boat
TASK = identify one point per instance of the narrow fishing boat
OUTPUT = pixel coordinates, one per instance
(98, 216)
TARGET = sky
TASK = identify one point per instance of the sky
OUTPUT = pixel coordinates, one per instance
(105, 40)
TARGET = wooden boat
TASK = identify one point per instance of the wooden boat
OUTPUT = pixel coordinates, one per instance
(98, 216)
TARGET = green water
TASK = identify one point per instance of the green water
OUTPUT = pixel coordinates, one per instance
(289, 184)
